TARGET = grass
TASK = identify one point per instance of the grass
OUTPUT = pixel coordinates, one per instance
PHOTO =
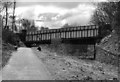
(8, 40)
(7, 49)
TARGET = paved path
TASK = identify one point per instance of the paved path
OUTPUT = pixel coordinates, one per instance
(24, 65)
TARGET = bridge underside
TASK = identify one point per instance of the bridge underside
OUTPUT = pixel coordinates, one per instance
(80, 41)
(86, 41)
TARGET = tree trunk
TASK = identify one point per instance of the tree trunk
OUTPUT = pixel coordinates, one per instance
(6, 16)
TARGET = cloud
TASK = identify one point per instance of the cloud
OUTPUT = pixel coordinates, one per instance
(25, 12)
(57, 0)
(78, 20)
(80, 15)
(47, 16)
(55, 16)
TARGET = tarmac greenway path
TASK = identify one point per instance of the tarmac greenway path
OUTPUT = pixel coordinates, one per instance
(24, 65)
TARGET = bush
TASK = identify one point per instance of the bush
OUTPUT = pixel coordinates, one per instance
(8, 40)
(6, 53)
(9, 37)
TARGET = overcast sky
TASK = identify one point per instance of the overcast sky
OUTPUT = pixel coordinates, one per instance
(56, 14)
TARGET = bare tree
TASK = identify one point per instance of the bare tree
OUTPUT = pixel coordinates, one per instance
(105, 13)
(13, 17)
(4, 7)
(28, 24)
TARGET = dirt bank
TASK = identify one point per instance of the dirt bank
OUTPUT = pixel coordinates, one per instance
(64, 67)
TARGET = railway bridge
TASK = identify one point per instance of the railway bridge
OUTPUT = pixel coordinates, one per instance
(87, 35)
(74, 35)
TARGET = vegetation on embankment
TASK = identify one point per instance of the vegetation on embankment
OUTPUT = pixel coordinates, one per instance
(106, 50)
(65, 67)
(69, 49)
(7, 49)
(9, 39)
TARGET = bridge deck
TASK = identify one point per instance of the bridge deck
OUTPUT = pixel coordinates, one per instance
(80, 32)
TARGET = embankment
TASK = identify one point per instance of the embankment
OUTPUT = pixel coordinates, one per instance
(106, 51)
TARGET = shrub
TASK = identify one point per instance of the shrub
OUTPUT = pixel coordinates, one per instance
(9, 37)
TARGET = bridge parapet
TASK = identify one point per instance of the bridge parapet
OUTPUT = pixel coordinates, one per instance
(63, 33)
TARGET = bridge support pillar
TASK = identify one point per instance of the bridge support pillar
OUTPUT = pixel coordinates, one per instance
(94, 52)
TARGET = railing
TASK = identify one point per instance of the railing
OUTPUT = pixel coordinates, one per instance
(63, 33)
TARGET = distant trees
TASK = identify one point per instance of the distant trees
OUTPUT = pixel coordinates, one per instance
(28, 24)
(44, 28)
(66, 25)
(25, 23)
